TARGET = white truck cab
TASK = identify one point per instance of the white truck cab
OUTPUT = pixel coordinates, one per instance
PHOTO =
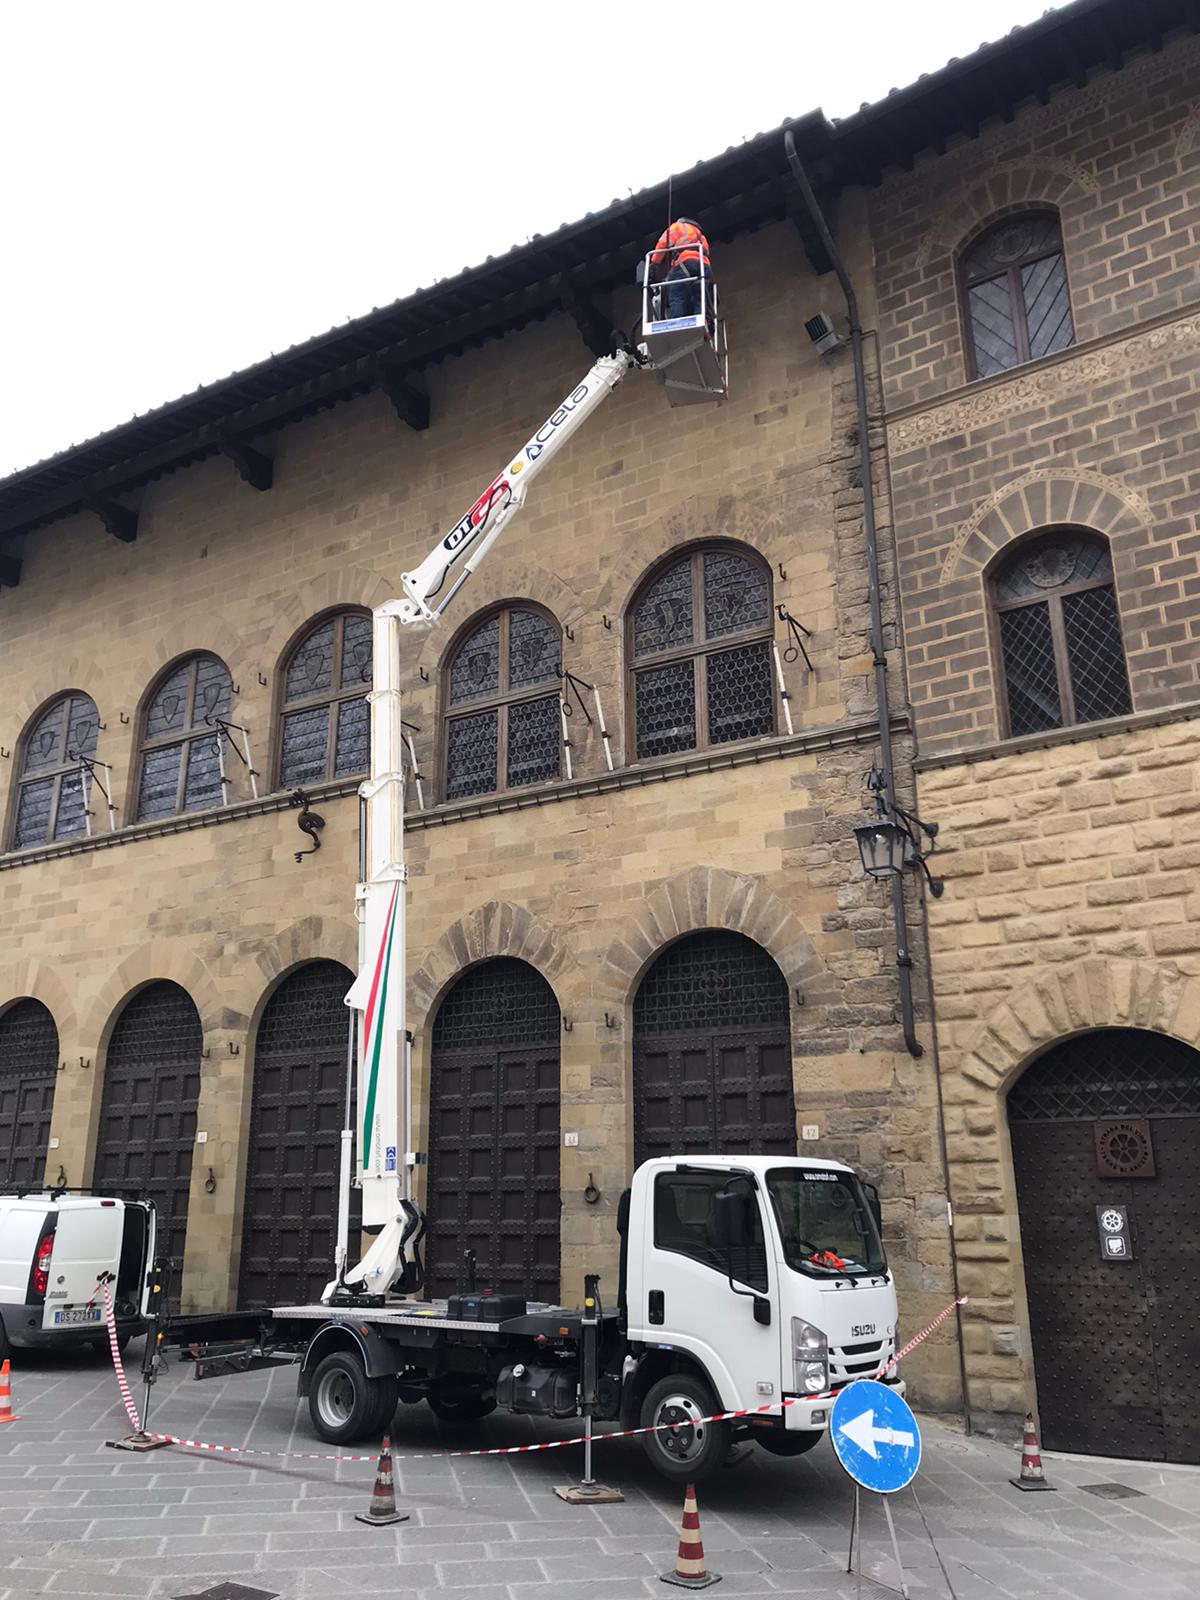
(54, 1249)
(751, 1281)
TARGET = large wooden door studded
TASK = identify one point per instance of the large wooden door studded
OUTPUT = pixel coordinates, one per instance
(148, 1111)
(297, 1112)
(712, 1057)
(28, 1074)
(1105, 1132)
(494, 1186)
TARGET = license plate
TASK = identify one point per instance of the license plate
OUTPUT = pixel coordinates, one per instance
(63, 1319)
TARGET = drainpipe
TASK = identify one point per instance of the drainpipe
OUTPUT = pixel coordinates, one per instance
(879, 655)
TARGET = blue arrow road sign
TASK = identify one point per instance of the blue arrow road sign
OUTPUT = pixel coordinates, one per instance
(875, 1436)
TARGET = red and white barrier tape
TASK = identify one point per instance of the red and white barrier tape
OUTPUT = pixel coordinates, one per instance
(122, 1380)
(502, 1450)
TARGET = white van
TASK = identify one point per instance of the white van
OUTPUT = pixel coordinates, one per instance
(54, 1248)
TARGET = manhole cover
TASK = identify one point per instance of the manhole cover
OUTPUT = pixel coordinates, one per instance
(230, 1591)
(1112, 1491)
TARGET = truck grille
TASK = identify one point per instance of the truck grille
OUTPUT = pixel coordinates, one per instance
(857, 1360)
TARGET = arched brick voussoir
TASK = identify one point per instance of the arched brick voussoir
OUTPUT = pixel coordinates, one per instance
(206, 632)
(343, 588)
(493, 586)
(306, 940)
(1030, 181)
(30, 979)
(704, 898)
(497, 928)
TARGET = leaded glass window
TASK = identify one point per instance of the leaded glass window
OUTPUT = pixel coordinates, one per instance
(1060, 634)
(326, 725)
(700, 647)
(181, 756)
(1014, 289)
(502, 725)
(53, 787)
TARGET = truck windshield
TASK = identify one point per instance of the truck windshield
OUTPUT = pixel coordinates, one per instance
(825, 1223)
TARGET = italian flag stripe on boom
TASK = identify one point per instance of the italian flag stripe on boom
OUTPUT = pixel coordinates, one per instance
(373, 1020)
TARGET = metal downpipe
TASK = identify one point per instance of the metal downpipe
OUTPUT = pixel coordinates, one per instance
(879, 655)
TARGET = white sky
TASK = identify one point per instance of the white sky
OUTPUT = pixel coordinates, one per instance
(187, 185)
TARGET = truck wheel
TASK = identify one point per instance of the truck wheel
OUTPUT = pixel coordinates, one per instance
(693, 1450)
(345, 1404)
(777, 1443)
(464, 1405)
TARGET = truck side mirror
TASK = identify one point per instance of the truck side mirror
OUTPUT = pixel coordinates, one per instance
(728, 1220)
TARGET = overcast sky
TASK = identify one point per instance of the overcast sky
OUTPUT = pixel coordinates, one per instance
(188, 186)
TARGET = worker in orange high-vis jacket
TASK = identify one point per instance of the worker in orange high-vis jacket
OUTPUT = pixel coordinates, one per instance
(679, 260)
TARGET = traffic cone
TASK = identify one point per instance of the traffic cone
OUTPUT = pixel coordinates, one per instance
(1032, 1476)
(689, 1563)
(6, 1410)
(382, 1509)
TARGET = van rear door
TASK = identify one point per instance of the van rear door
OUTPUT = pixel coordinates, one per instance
(87, 1243)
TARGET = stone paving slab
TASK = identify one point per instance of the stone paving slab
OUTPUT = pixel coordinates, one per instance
(77, 1519)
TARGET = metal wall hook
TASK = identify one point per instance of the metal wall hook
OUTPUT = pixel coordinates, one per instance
(567, 1025)
(85, 1064)
(569, 632)
(234, 1049)
(62, 1066)
(235, 688)
(61, 1182)
(607, 621)
(102, 727)
(591, 1195)
(609, 1022)
(263, 679)
(123, 719)
(205, 1055)
(424, 676)
(210, 1183)
(782, 573)
(798, 635)
(5, 753)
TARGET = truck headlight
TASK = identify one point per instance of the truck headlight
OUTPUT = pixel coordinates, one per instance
(810, 1358)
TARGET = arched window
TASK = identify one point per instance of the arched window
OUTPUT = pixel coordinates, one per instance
(51, 793)
(1059, 633)
(181, 761)
(502, 728)
(1014, 290)
(699, 642)
(326, 730)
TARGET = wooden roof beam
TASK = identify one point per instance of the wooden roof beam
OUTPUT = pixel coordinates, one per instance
(593, 318)
(118, 520)
(409, 401)
(254, 467)
(10, 571)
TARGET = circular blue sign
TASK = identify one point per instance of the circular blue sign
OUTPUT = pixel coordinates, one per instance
(875, 1436)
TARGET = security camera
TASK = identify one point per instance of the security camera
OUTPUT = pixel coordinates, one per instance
(824, 335)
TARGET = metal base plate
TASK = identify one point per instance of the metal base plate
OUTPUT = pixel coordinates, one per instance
(138, 1442)
(1033, 1485)
(596, 1494)
(706, 1582)
(381, 1522)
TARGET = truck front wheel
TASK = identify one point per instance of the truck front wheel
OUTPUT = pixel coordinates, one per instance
(691, 1450)
(345, 1404)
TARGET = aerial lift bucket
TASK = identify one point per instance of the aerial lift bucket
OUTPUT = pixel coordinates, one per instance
(687, 353)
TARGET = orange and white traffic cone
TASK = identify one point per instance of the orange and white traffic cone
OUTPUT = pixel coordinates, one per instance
(382, 1509)
(1032, 1476)
(689, 1571)
(6, 1410)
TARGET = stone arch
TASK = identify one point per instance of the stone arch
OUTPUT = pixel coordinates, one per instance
(339, 590)
(493, 588)
(207, 633)
(1041, 498)
(33, 980)
(1094, 992)
(1011, 186)
(302, 942)
(497, 928)
(152, 963)
(703, 898)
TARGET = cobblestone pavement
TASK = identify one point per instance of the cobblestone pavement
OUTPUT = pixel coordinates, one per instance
(78, 1519)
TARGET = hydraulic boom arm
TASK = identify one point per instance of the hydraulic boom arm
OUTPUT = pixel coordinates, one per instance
(386, 1157)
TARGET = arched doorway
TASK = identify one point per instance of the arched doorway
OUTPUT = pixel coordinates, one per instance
(148, 1111)
(712, 1055)
(28, 1073)
(494, 1183)
(297, 1112)
(1105, 1127)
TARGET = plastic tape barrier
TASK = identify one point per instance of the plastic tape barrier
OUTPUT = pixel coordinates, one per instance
(503, 1450)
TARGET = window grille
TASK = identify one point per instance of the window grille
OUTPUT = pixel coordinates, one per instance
(53, 790)
(326, 728)
(1113, 1072)
(1014, 290)
(28, 1074)
(503, 730)
(1060, 634)
(701, 654)
(181, 766)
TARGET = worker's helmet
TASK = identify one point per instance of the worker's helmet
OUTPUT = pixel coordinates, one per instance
(688, 221)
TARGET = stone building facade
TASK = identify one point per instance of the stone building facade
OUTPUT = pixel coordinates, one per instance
(577, 944)
(1039, 323)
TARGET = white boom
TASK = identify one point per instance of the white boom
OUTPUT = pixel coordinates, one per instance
(384, 1133)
